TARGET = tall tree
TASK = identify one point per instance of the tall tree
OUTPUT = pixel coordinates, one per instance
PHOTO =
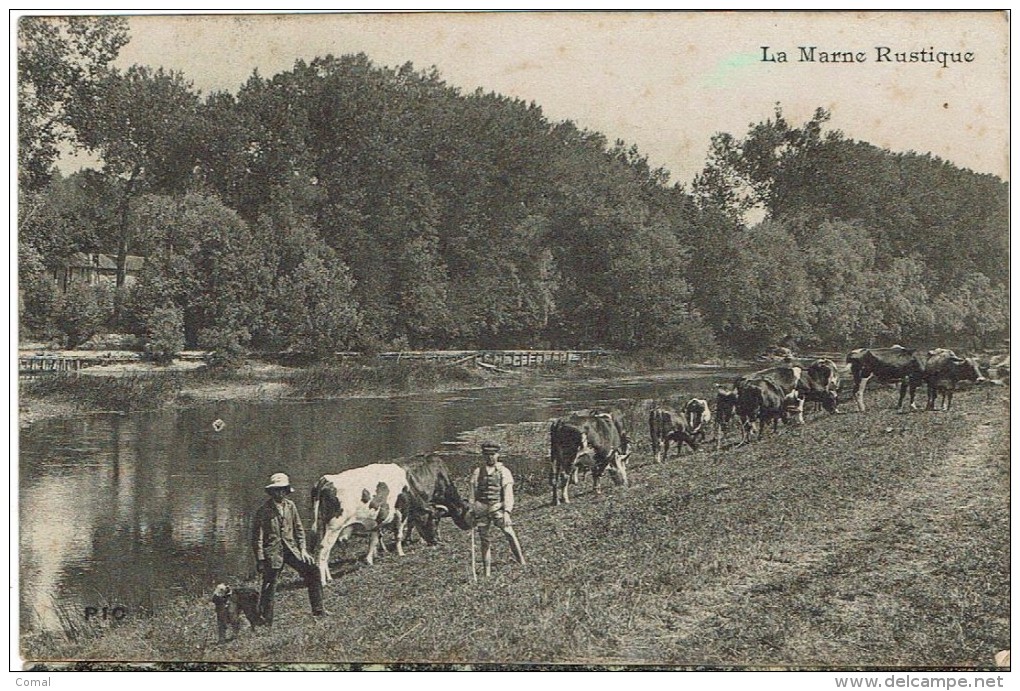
(59, 58)
(144, 125)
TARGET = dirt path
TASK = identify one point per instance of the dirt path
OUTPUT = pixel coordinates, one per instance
(856, 576)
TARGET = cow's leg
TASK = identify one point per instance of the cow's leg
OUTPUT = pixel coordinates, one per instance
(908, 384)
(655, 447)
(325, 547)
(746, 428)
(565, 482)
(373, 545)
(860, 385)
(903, 394)
(486, 539)
(398, 528)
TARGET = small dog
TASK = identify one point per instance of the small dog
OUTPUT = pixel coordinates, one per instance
(230, 604)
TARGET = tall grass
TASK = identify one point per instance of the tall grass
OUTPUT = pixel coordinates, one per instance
(126, 393)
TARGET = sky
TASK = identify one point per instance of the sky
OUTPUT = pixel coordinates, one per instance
(663, 81)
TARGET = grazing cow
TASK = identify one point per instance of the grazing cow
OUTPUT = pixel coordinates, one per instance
(698, 415)
(665, 426)
(594, 441)
(818, 383)
(430, 496)
(793, 407)
(363, 499)
(941, 373)
(758, 402)
(895, 364)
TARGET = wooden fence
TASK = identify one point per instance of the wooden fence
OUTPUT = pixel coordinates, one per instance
(503, 358)
(44, 363)
(30, 365)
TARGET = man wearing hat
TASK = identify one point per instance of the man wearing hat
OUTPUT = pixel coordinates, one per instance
(492, 489)
(278, 539)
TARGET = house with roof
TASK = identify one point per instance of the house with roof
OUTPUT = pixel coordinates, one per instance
(92, 269)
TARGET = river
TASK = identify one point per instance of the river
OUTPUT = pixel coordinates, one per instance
(134, 510)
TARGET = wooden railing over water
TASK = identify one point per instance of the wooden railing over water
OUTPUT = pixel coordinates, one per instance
(46, 363)
(29, 365)
(502, 358)
(49, 363)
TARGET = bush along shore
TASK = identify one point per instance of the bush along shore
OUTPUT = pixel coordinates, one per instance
(860, 539)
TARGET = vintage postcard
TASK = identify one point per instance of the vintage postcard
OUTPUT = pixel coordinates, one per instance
(513, 340)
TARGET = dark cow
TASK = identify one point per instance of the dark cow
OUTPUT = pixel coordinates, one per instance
(665, 426)
(941, 373)
(818, 383)
(725, 411)
(593, 441)
(895, 364)
(431, 495)
(758, 402)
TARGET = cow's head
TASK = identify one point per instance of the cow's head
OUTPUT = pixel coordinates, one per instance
(448, 502)
(618, 460)
(725, 404)
(423, 515)
(698, 414)
(793, 405)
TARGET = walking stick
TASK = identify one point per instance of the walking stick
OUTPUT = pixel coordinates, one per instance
(474, 569)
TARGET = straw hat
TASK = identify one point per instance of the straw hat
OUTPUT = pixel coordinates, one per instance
(279, 480)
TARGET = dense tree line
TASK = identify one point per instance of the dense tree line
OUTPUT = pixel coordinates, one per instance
(343, 205)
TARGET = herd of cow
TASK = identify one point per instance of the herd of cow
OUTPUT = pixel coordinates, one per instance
(418, 495)
(596, 441)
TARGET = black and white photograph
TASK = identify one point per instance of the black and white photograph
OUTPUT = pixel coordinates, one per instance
(512, 341)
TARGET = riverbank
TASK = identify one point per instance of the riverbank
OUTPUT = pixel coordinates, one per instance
(133, 386)
(875, 539)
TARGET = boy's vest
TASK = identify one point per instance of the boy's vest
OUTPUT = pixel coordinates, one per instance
(490, 486)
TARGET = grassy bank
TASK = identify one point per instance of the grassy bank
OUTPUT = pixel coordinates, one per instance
(877, 539)
(106, 389)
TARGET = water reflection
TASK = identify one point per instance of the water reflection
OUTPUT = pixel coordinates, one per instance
(133, 509)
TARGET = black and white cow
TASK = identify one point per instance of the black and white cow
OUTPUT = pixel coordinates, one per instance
(895, 364)
(760, 401)
(595, 442)
(943, 370)
(363, 500)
